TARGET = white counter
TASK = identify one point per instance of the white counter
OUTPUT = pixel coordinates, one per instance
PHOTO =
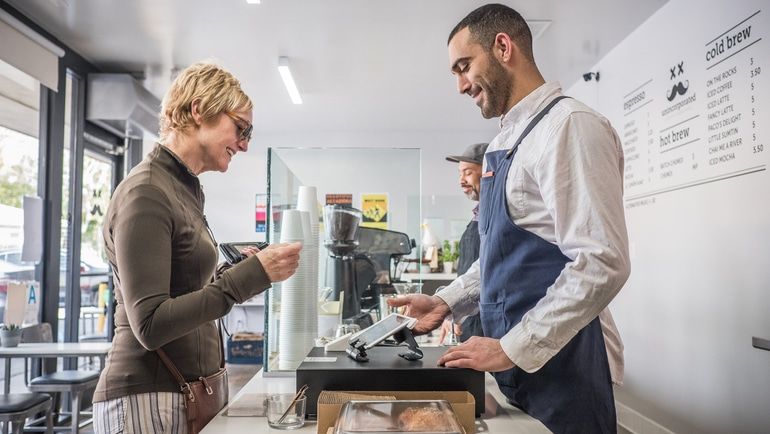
(499, 417)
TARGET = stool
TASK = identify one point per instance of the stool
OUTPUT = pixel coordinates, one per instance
(15, 408)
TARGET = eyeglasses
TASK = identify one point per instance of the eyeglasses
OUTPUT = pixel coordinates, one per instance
(244, 133)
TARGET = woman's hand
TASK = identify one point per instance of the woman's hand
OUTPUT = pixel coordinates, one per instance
(250, 251)
(280, 261)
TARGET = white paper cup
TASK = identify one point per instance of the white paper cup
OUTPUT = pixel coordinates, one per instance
(291, 226)
(307, 200)
(306, 231)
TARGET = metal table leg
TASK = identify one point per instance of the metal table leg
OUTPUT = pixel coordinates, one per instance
(7, 379)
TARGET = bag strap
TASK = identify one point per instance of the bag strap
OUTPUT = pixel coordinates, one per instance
(172, 368)
(221, 343)
(184, 385)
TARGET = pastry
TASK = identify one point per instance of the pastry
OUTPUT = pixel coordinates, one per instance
(422, 419)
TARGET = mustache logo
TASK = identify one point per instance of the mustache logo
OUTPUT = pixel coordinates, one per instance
(678, 88)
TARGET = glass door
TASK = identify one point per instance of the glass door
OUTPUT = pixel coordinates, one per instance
(95, 294)
(69, 159)
(89, 175)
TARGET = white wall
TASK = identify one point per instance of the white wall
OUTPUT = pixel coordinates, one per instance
(698, 217)
(230, 196)
(356, 171)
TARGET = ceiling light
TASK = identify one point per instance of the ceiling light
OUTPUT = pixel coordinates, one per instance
(288, 80)
(253, 2)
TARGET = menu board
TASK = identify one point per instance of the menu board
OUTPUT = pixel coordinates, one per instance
(696, 119)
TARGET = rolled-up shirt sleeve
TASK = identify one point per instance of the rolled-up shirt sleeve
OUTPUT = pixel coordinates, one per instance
(462, 295)
(580, 178)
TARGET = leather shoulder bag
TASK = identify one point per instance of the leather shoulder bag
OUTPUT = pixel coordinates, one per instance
(203, 398)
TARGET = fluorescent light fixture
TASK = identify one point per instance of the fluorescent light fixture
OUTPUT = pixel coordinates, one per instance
(253, 2)
(288, 80)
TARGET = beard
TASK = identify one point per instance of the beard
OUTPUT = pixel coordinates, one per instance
(473, 194)
(497, 87)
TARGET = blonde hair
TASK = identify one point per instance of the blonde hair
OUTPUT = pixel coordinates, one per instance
(217, 89)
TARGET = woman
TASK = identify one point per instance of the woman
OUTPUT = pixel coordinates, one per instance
(164, 255)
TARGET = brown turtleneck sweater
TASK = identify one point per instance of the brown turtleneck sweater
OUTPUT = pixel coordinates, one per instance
(163, 257)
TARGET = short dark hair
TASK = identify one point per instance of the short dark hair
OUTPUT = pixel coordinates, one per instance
(487, 21)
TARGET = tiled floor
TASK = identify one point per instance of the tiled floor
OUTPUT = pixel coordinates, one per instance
(239, 375)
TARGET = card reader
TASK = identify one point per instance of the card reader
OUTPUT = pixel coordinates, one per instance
(396, 325)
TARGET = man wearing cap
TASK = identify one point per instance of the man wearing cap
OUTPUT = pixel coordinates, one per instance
(469, 166)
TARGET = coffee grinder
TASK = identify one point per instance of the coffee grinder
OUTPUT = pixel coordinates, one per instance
(341, 226)
(359, 263)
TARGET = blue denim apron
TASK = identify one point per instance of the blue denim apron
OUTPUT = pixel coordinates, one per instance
(572, 392)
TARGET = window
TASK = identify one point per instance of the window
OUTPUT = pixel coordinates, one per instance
(19, 114)
(19, 123)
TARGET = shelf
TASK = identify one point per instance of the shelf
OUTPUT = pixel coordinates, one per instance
(428, 276)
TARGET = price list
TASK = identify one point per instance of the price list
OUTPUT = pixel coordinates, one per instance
(638, 138)
(707, 136)
(733, 83)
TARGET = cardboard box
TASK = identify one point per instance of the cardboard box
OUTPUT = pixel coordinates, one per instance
(330, 403)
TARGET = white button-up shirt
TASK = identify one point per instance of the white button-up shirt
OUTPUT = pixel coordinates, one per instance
(565, 185)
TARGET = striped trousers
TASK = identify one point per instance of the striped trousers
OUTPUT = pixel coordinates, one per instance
(143, 413)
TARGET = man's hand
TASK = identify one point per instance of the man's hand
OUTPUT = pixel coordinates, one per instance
(280, 261)
(481, 354)
(430, 311)
(446, 328)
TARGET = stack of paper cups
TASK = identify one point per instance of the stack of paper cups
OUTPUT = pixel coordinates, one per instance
(306, 269)
(307, 201)
(295, 340)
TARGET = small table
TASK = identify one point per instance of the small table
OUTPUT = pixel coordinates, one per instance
(52, 350)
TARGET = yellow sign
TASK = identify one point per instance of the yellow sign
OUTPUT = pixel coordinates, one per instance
(374, 208)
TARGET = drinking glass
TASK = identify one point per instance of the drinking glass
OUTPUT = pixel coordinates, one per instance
(277, 415)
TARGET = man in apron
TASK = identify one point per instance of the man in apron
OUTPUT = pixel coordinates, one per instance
(554, 247)
(469, 166)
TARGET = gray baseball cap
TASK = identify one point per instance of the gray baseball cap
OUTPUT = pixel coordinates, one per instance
(472, 154)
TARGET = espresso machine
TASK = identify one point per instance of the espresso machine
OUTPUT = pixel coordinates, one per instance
(358, 268)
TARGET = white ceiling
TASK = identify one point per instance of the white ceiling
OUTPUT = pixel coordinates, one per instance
(365, 66)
